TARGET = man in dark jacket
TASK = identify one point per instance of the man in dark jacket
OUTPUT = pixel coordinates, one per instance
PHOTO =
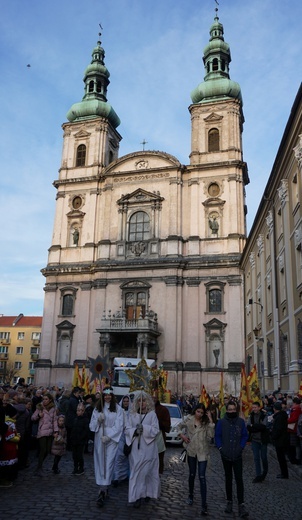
(230, 438)
(78, 438)
(259, 436)
(71, 414)
(279, 437)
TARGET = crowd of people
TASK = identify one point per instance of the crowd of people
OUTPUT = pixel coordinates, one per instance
(129, 438)
(52, 421)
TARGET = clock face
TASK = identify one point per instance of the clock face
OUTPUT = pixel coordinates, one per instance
(214, 189)
(77, 202)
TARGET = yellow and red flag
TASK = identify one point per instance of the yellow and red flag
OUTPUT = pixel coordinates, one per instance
(75, 377)
(204, 397)
(300, 389)
(254, 389)
(244, 393)
(85, 380)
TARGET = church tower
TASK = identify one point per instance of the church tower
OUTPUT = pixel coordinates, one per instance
(216, 143)
(145, 252)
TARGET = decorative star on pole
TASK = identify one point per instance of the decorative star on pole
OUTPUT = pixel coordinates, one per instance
(140, 377)
(99, 367)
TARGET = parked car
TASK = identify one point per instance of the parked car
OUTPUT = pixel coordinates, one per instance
(176, 419)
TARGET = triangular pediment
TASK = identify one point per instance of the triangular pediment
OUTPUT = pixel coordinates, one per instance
(140, 196)
(215, 324)
(213, 118)
(65, 325)
(82, 134)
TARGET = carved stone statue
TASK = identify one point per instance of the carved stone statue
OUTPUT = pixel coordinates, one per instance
(76, 236)
(216, 353)
(214, 226)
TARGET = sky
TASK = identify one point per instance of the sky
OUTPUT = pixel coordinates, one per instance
(153, 50)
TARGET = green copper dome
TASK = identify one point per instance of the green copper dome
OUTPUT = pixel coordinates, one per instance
(94, 103)
(217, 57)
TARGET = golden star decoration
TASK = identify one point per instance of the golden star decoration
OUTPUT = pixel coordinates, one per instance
(141, 377)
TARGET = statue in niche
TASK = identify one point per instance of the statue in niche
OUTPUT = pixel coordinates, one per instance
(216, 353)
(75, 237)
(214, 225)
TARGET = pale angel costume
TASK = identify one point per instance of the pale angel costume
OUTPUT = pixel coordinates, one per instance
(144, 478)
(105, 453)
(121, 464)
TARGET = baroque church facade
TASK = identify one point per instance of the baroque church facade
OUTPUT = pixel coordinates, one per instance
(145, 252)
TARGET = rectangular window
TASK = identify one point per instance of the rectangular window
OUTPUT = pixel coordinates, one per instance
(215, 300)
(36, 335)
(30, 380)
(4, 335)
(3, 350)
(19, 350)
(34, 350)
(21, 335)
(18, 365)
(31, 365)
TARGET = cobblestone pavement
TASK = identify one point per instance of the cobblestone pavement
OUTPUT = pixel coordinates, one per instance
(68, 497)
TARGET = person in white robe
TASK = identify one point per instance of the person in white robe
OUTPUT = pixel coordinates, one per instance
(141, 431)
(121, 465)
(107, 424)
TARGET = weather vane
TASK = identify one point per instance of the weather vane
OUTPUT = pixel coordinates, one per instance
(100, 34)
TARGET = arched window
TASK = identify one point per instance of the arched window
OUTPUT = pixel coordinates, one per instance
(215, 64)
(135, 304)
(139, 227)
(213, 140)
(215, 300)
(81, 155)
(67, 305)
(99, 86)
(215, 297)
(91, 86)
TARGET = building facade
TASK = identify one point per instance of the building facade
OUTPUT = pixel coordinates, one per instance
(272, 265)
(20, 338)
(145, 252)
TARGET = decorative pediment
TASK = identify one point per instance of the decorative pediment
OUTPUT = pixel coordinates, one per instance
(65, 325)
(213, 202)
(213, 118)
(76, 213)
(151, 163)
(82, 134)
(135, 284)
(139, 197)
(215, 324)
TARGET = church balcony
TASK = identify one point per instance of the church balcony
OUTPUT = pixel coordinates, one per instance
(118, 322)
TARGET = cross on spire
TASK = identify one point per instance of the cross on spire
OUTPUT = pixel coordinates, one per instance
(143, 143)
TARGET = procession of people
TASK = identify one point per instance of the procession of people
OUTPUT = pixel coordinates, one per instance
(128, 438)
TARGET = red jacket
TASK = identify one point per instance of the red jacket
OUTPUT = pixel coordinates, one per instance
(294, 416)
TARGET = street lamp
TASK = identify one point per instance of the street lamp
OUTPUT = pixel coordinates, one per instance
(255, 303)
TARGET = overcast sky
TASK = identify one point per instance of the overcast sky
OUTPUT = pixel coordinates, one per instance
(154, 53)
